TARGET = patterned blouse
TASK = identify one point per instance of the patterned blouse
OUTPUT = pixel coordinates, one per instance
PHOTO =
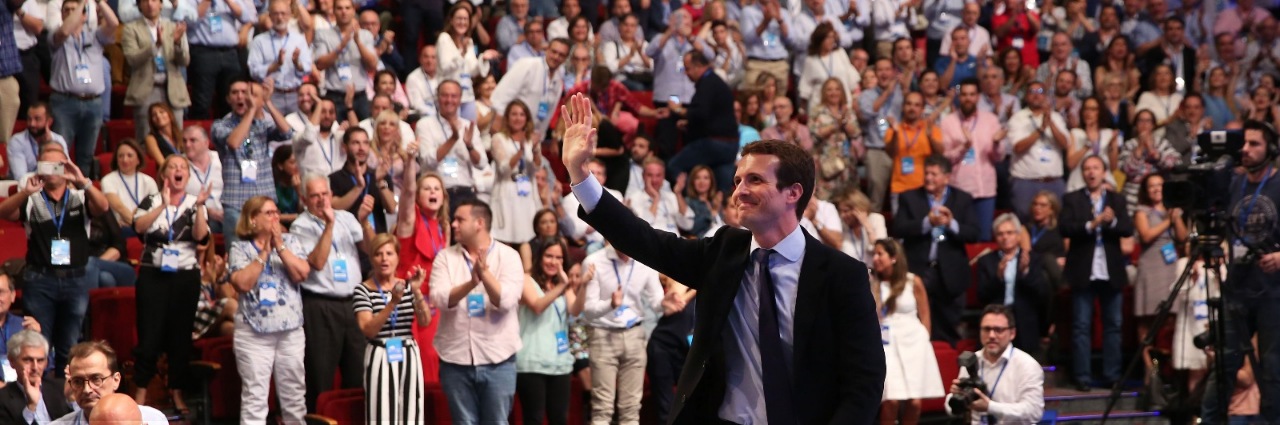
(275, 303)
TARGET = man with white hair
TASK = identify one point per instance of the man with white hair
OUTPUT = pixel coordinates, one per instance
(1010, 278)
(30, 398)
(337, 238)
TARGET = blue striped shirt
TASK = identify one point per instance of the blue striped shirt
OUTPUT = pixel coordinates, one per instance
(253, 148)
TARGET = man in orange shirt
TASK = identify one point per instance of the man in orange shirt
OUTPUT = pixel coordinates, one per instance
(903, 145)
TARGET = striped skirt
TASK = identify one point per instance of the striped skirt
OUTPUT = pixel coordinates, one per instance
(393, 391)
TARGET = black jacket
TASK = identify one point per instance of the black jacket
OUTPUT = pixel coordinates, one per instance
(1077, 210)
(953, 261)
(710, 112)
(13, 401)
(838, 364)
(1030, 296)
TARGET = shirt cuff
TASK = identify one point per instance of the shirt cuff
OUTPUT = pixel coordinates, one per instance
(589, 193)
(925, 225)
(954, 226)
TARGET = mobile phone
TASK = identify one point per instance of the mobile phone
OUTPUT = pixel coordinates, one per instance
(49, 168)
(674, 98)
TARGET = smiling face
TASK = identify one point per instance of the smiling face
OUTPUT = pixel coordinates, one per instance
(460, 21)
(831, 93)
(552, 261)
(126, 159)
(517, 119)
(760, 201)
(159, 117)
(881, 262)
(702, 181)
(430, 194)
(546, 225)
(448, 97)
(929, 83)
(654, 174)
(1155, 189)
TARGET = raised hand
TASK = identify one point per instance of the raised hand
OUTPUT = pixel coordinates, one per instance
(579, 137)
(277, 236)
(73, 173)
(179, 30)
(204, 194)
(34, 184)
(366, 208)
(616, 300)
(30, 323)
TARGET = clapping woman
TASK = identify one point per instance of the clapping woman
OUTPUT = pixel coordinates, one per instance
(385, 309)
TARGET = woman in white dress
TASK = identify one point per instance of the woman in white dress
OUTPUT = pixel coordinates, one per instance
(459, 57)
(911, 370)
(1192, 308)
(516, 155)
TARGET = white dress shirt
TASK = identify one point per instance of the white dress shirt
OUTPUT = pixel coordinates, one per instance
(211, 176)
(317, 154)
(572, 226)
(488, 339)
(1016, 382)
(456, 168)
(668, 216)
(532, 82)
(421, 91)
(641, 291)
(1045, 158)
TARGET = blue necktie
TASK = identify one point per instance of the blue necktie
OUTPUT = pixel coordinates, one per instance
(775, 371)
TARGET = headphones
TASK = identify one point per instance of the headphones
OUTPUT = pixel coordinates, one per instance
(1269, 135)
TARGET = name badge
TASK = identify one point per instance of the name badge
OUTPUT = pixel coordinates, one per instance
(883, 126)
(544, 110)
(60, 252)
(10, 374)
(1042, 42)
(248, 171)
(970, 156)
(1169, 253)
(430, 110)
(562, 342)
(523, 186)
(466, 87)
(690, 339)
(908, 166)
(1201, 310)
(344, 72)
(620, 311)
(1238, 251)
(215, 23)
(169, 259)
(339, 269)
(884, 334)
(475, 305)
(770, 38)
(268, 294)
(160, 67)
(449, 167)
(395, 350)
(938, 234)
(81, 74)
(1018, 43)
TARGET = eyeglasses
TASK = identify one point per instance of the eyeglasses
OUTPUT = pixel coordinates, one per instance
(94, 380)
(1038, 90)
(995, 329)
(269, 212)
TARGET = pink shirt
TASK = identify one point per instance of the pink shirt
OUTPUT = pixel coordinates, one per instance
(494, 336)
(803, 138)
(1232, 20)
(974, 173)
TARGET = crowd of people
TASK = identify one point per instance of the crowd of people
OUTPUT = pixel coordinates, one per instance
(386, 182)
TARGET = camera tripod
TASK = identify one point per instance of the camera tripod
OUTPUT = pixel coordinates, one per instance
(1208, 248)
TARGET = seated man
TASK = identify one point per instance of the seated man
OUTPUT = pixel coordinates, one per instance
(31, 398)
(1021, 399)
(92, 375)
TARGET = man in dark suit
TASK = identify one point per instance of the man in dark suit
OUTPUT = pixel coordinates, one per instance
(787, 330)
(31, 399)
(710, 129)
(1175, 52)
(1006, 277)
(934, 222)
(1096, 270)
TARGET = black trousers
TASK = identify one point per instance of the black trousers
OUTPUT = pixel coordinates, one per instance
(543, 395)
(334, 342)
(166, 304)
(361, 105)
(665, 362)
(209, 79)
(29, 80)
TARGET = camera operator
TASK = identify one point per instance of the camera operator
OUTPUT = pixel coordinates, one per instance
(1249, 297)
(1015, 379)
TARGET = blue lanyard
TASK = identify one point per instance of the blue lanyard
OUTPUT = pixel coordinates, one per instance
(621, 284)
(58, 218)
(284, 45)
(1036, 233)
(196, 171)
(434, 244)
(175, 213)
(328, 156)
(133, 194)
(830, 65)
(364, 191)
(915, 139)
(486, 254)
(992, 395)
(1244, 217)
(266, 267)
(386, 302)
(80, 44)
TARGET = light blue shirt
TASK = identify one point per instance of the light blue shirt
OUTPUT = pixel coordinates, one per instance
(40, 416)
(770, 44)
(871, 118)
(218, 27)
(943, 16)
(668, 67)
(83, 48)
(744, 396)
(1010, 278)
(349, 56)
(509, 30)
(265, 50)
(927, 227)
(1140, 30)
(186, 11)
(521, 51)
(24, 151)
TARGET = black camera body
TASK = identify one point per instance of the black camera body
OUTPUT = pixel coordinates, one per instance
(969, 386)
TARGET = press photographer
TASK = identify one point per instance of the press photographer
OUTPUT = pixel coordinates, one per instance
(1014, 378)
(1248, 297)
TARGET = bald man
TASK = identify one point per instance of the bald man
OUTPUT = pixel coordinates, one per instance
(116, 409)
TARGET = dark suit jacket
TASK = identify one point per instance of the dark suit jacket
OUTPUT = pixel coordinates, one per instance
(1154, 57)
(837, 364)
(1030, 295)
(953, 262)
(711, 109)
(13, 401)
(1077, 210)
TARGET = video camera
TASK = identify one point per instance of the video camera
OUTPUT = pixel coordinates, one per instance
(962, 405)
(1202, 189)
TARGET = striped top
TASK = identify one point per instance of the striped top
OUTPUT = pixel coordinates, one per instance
(369, 300)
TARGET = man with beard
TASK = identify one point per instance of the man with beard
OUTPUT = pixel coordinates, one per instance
(355, 186)
(971, 140)
(1255, 267)
(24, 147)
(315, 151)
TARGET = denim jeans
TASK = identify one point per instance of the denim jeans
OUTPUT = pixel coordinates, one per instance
(79, 122)
(230, 215)
(1110, 300)
(479, 394)
(1245, 316)
(110, 274)
(59, 304)
(718, 155)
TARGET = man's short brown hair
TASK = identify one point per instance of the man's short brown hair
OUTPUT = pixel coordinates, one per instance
(796, 166)
(87, 348)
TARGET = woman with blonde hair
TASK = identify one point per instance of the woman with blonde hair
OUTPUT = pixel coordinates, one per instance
(267, 274)
(911, 368)
(422, 231)
(385, 309)
(516, 156)
(861, 226)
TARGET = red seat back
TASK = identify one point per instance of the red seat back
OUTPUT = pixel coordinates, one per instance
(973, 251)
(112, 315)
(343, 405)
(946, 357)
